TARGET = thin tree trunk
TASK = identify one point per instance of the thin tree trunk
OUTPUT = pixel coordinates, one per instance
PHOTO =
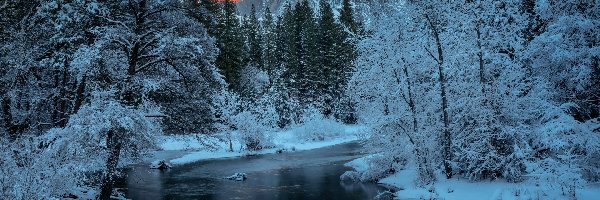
(447, 137)
(80, 94)
(8, 121)
(411, 102)
(424, 166)
(62, 120)
(481, 61)
(114, 146)
(55, 115)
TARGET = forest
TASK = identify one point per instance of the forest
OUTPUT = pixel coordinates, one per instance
(400, 99)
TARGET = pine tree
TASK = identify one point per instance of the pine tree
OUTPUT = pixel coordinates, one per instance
(254, 40)
(304, 39)
(269, 44)
(230, 39)
(331, 41)
(347, 17)
(207, 12)
(288, 48)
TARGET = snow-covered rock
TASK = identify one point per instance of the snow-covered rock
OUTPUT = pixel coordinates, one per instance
(160, 164)
(237, 177)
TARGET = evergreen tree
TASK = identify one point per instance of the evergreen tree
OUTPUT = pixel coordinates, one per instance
(230, 39)
(331, 38)
(287, 48)
(347, 17)
(269, 44)
(254, 40)
(306, 43)
(209, 14)
(246, 39)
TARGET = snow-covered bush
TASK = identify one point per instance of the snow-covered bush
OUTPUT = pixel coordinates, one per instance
(371, 168)
(317, 127)
(265, 110)
(29, 170)
(56, 162)
(133, 127)
(250, 132)
(251, 126)
(565, 146)
(591, 165)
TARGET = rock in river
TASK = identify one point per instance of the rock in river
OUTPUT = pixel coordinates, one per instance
(237, 177)
(160, 164)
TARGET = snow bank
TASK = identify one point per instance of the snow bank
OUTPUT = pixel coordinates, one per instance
(294, 139)
(464, 189)
(288, 140)
(318, 128)
(369, 168)
(204, 155)
(184, 142)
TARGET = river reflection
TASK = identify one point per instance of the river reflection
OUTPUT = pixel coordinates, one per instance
(298, 175)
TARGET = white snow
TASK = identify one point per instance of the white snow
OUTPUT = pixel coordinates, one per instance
(204, 155)
(360, 164)
(464, 189)
(180, 142)
(287, 140)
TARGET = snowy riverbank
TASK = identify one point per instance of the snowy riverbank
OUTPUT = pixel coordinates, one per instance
(186, 149)
(463, 189)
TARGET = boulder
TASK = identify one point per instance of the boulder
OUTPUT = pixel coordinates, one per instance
(237, 177)
(160, 164)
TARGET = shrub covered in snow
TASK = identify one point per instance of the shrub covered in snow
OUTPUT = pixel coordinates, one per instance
(245, 121)
(57, 161)
(564, 151)
(251, 133)
(317, 127)
(29, 171)
(370, 168)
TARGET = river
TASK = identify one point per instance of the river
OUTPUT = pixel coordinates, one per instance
(311, 174)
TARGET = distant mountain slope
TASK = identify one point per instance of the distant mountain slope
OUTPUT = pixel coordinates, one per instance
(276, 6)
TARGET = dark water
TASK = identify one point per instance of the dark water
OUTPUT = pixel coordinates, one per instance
(312, 174)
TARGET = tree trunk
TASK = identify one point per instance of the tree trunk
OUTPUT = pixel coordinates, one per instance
(7, 114)
(411, 102)
(80, 95)
(424, 168)
(114, 145)
(481, 61)
(447, 137)
(63, 115)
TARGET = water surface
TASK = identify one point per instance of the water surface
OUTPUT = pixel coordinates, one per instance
(312, 174)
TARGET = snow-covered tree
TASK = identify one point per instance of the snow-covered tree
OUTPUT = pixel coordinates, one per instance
(394, 96)
(494, 99)
(567, 53)
(139, 48)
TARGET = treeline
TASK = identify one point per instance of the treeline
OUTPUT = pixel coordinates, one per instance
(306, 56)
